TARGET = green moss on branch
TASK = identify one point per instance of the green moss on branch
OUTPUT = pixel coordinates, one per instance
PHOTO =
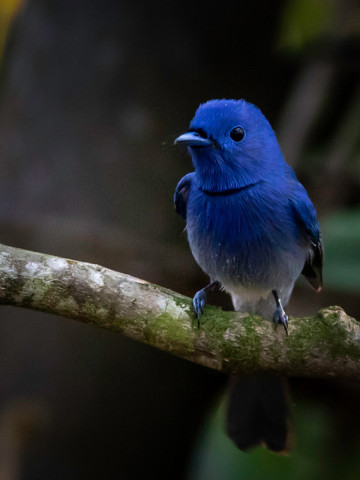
(325, 345)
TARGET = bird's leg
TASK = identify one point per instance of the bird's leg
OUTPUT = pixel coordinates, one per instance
(199, 300)
(279, 314)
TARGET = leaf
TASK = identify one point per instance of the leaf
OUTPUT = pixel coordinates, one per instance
(341, 233)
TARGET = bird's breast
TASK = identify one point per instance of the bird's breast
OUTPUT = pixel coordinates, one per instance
(242, 238)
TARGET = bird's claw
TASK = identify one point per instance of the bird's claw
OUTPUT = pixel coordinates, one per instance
(280, 317)
(199, 302)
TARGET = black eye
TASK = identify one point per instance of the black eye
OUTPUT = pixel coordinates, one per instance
(237, 134)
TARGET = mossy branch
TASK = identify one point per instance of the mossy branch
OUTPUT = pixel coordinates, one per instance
(325, 345)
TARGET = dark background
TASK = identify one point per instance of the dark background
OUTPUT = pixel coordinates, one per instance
(92, 95)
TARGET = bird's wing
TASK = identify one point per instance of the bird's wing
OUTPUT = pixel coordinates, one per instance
(181, 195)
(308, 225)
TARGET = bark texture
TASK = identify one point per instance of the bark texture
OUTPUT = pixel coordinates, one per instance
(325, 345)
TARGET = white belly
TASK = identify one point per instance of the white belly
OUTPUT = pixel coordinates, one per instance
(257, 300)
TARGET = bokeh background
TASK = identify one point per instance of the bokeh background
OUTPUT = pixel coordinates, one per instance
(92, 95)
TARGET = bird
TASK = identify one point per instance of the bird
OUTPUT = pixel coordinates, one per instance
(253, 230)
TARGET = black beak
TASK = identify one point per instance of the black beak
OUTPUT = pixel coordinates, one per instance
(193, 139)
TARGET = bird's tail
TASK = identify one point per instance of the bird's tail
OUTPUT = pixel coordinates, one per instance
(258, 413)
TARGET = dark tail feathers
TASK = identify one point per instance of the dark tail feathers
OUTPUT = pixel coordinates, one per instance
(258, 413)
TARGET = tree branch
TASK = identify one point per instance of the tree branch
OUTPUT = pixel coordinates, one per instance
(325, 345)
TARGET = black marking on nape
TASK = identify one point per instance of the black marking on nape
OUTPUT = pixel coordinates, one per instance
(200, 131)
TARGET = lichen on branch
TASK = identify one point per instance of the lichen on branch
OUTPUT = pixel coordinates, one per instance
(325, 345)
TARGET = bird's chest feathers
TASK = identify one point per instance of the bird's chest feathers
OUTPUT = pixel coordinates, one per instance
(228, 221)
(229, 233)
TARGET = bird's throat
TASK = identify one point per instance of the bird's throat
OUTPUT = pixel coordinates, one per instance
(224, 176)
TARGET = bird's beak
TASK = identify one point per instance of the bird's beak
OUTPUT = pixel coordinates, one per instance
(192, 139)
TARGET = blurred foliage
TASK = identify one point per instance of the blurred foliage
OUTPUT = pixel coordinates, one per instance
(341, 232)
(8, 12)
(216, 457)
(314, 452)
(304, 21)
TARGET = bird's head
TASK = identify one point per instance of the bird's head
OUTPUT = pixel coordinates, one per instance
(232, 145)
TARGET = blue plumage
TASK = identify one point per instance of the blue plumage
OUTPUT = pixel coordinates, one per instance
(250, 223)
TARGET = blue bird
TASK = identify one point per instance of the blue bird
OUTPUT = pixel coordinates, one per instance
(251, 225)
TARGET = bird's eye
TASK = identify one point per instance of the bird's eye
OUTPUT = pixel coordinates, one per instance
(237, 134)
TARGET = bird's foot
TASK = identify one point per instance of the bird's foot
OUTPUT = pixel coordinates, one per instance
(279, 314)
(199, 302)
(281, 318)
